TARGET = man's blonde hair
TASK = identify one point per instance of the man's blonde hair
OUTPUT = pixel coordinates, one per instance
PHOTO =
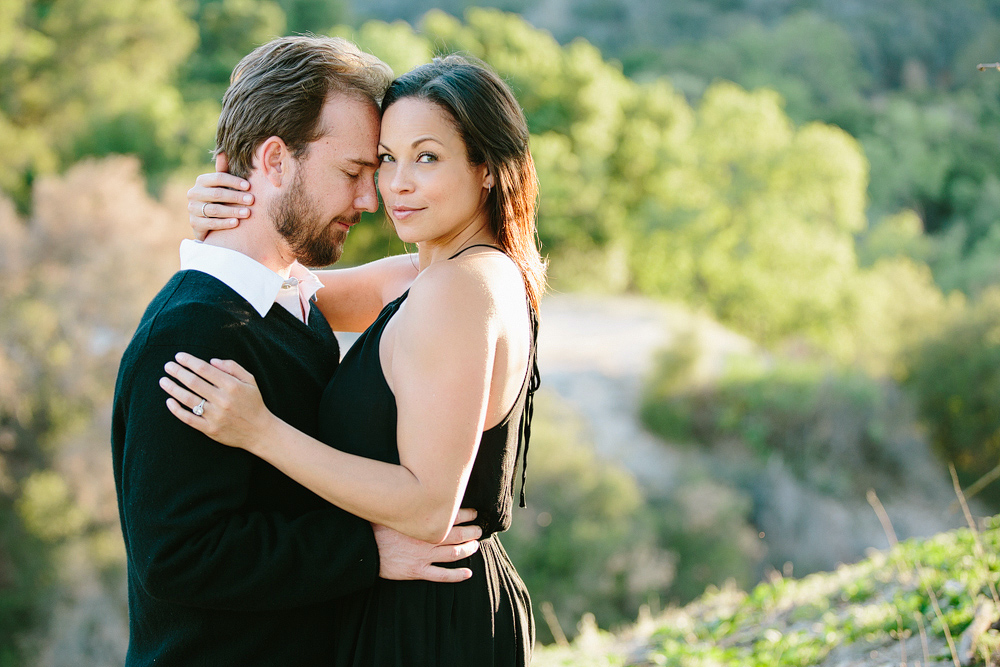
(279, 90)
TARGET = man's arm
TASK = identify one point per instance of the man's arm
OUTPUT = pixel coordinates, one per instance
(404, 558)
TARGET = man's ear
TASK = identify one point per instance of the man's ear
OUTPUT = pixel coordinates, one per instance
(275, 161)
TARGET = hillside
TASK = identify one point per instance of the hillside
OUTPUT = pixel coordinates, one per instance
(903, 606)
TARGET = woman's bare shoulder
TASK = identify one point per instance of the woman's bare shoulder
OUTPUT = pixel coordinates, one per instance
(486, 275)
(469, 290)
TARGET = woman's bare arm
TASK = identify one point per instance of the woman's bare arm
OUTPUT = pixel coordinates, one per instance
(351, 298)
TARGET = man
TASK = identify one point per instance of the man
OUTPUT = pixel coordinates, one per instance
(229, 561)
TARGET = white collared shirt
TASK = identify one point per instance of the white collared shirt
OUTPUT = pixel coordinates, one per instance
(253, 281)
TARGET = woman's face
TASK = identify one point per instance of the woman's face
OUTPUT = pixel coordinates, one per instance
(430, 190)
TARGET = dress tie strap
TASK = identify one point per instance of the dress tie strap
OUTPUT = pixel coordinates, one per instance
(524, 429)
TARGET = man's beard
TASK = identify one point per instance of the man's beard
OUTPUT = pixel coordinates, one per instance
(315, 242)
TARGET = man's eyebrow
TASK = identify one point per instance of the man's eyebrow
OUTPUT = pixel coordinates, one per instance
(364, 163)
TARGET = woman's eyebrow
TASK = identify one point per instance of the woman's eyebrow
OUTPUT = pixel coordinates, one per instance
(416, 142)
(420, 140)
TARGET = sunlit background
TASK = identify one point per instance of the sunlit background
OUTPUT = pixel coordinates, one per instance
(773, 229)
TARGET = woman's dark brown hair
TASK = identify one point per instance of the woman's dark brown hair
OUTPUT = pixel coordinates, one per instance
(495, 133)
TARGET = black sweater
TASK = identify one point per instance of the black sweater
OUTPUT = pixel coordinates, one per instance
(229, 561)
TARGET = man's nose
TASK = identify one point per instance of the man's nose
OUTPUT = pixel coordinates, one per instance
(366, 199)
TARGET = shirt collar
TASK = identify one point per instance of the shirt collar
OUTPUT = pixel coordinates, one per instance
(253, 281)
(296, 292)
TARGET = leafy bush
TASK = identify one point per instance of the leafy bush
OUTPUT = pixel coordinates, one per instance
(591, 541)
(586, 541)
(707, 526)
(840, 431)
(955, 377)
(866, 613)
(26, 575)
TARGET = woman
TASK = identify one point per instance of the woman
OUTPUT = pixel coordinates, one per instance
(429, 408)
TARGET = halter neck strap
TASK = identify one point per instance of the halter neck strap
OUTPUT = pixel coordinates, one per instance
(476, 245)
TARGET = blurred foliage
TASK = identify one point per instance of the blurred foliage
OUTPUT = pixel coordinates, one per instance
(707, 524)
(591, 541)
(808, 58)
(75, 69)
(84, 78)
(314, 16)
(955, 376)
(587, 540)
(25, 419)
(898, 76)
(717, 201)
(726, 205)
(839, 431)
(804, 440)
(74, 279)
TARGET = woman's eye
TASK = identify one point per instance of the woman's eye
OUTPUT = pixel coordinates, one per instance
(385, 157)
(427, 157)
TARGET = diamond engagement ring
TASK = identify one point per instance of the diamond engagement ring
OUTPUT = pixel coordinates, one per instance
(203, 205)
(199, 409)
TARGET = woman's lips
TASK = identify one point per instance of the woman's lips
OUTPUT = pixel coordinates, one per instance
(402, 212)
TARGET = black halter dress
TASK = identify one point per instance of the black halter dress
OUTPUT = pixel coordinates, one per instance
(484, 621)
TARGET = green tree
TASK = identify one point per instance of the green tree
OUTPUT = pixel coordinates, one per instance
(24, 560)
(397, 44)
(728, 205)
(72, 67)
(228, 30)
(759, 221)
(588, 123)
(809, 59)
(314, 16)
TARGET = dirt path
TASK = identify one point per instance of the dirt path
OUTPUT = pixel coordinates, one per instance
(594, 353)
